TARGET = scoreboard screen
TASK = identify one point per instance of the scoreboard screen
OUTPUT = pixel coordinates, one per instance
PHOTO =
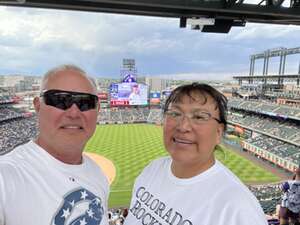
(122, 94)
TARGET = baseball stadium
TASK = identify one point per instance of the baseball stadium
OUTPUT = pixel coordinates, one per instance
(261, 145)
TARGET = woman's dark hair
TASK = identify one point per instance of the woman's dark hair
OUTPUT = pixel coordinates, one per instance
(204, 90)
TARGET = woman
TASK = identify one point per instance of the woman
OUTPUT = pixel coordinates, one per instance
(190, 187)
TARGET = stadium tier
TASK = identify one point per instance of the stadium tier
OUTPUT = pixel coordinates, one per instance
(5, 99)
(7, 113)
(265, 107)
(282, 130)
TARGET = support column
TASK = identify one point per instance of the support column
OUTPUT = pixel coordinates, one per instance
(250, 69)
(264, 68)
(267, 65)
(283, 64)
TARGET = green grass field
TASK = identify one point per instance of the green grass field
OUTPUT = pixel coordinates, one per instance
(132, 146)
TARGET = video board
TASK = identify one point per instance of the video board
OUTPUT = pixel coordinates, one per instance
(155, 98)
(122, 94)
(166, 93)
(103, 96)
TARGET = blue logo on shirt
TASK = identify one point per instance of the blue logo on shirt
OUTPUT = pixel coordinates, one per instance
(92, 216)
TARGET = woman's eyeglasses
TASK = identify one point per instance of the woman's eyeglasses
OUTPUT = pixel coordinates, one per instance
(198, 117)
(65, 99)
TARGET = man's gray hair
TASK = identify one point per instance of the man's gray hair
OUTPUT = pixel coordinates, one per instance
(52, 72)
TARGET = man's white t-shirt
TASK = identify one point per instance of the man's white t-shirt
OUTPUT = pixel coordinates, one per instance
(37, 189)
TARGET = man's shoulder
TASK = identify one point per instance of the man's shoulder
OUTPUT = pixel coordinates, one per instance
(12, 159)
(10, 168)
(95, 168)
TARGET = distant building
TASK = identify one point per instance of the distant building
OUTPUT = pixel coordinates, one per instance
(156, 83)
(20, 83)
(9, 81)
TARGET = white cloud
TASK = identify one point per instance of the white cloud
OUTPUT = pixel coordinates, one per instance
(197, 76)
(265, 31)
(33, 40)
(150, 45)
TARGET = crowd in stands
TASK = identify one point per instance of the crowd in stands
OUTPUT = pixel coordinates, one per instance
(128, 115)
(264, 107)
(14, 132)
(140, 115)
(269, 196)
(284, 150)
(104, 116)
(117, 216)
(286, 131)
(286, 94)
(5, 98)
(155, 116)
(8, 113)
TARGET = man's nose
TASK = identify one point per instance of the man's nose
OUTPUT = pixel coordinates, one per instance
(73, 111)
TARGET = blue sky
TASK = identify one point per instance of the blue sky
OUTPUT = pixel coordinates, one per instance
(35, 40)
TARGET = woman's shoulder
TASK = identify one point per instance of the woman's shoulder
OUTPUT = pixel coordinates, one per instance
(159, 162)
(155, 166)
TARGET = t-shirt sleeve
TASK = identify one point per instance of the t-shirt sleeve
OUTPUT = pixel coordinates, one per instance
(149, 170)
(138, 185)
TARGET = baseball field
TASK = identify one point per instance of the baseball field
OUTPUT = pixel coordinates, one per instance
(130, 147)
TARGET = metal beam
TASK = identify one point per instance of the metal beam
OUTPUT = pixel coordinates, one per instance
(220, 9)
(291, 76)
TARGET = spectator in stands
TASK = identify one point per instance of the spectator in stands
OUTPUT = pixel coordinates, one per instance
(290, 204)
(45, 180)
(191, 187)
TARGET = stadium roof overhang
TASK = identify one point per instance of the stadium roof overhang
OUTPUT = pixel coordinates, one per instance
(225, 13)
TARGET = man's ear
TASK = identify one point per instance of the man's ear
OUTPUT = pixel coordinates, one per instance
(98, 106)
(36, 104)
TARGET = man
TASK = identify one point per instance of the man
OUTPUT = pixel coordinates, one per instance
(48, 180)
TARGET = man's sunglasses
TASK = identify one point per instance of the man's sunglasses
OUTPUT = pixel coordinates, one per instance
(65, 99)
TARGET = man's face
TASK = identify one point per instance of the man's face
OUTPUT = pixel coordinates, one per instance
(189, 143)
(65, 131)
(135, 89)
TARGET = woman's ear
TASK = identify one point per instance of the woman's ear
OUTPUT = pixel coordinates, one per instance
(220, 131)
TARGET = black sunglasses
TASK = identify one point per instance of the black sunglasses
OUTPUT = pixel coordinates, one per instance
(65, 99)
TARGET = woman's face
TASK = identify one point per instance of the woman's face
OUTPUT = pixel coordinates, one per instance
(190, 143)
